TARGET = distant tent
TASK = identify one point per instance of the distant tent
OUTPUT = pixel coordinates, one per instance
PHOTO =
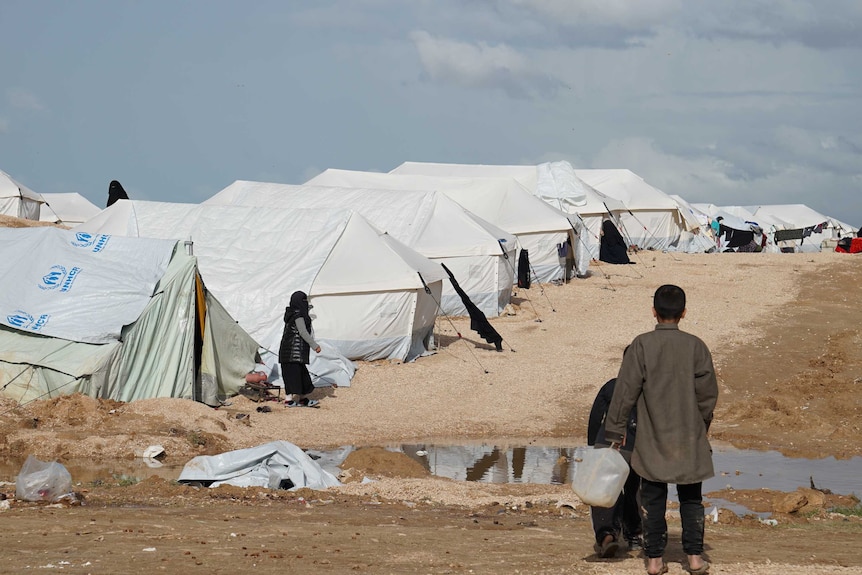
(805, 229)
(69, 209)
(737, 227)
(652, 219)
(478, 252)
(503, 201)
(17, 200)
(366, 287)
(553, 182)
(699, 239)
(116, 192)
(114, 318)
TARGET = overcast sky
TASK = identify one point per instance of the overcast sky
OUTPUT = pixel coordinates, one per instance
(733, 102)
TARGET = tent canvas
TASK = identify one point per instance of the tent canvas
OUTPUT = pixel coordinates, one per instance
(652, 219)
(110, 317)
(554, 182)
(17, 200)
(504, 202)
(368, 290)
(816, 227)
(476, 251)
(700, 239)
(67, 209)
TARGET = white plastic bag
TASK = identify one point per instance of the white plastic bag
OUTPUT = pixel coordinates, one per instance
(599, 476)
(41, 481)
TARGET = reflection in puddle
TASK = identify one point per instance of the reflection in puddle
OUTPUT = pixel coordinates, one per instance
(735, 469)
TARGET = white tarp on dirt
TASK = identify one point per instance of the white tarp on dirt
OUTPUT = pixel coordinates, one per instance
(476, 251)
(18, 200)
(274, 465)
(67, 209)
(540, 228)
(366, 288)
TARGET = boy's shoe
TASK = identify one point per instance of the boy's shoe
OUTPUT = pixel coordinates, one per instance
(636, 543)
(606, 549)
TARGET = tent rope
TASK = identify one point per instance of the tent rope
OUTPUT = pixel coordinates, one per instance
(440, 310)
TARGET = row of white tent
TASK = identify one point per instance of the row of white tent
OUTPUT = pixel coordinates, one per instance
(365, 246)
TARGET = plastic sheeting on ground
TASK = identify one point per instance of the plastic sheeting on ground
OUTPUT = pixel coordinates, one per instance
(275, 465)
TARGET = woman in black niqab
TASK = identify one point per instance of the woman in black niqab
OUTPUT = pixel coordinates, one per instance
(612, 246)
(294, 352)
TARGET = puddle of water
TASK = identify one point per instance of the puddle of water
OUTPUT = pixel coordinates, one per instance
(736, 469)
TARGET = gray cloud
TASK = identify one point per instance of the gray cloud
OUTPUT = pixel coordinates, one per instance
(479, 65)
(23, 99)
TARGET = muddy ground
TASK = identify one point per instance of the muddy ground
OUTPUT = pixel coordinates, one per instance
(796, 388)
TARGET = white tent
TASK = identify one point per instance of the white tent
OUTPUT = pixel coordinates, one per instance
(554, 182)
(67, 209)
(368, 290)
(18, 200)
(111, 317)
(805, 229)
(540, 228)
(736, 218)
(476, 251)
(652, 220)
(700, 239)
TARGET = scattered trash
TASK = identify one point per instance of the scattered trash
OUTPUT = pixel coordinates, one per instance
(152, 454)
(154, 451)
(264, 409)
(714, 514)
(770, 522)
(42, 481)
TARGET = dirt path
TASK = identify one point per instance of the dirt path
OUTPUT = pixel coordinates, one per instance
(785, 336)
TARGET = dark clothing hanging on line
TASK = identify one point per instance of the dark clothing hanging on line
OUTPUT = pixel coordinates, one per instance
(784, 235)
(524, 269)
(478, 321)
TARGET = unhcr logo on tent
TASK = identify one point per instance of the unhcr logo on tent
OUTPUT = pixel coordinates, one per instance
(86, 240)
(23, 320)
(57, 277)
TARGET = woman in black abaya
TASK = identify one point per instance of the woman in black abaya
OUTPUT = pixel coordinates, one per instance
(294, 353)
(612, 246)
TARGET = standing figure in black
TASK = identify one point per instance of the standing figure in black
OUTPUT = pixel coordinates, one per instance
(612, 246)
(293, 354)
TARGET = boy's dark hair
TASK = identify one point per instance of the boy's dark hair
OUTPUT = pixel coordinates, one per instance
(669, 302)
